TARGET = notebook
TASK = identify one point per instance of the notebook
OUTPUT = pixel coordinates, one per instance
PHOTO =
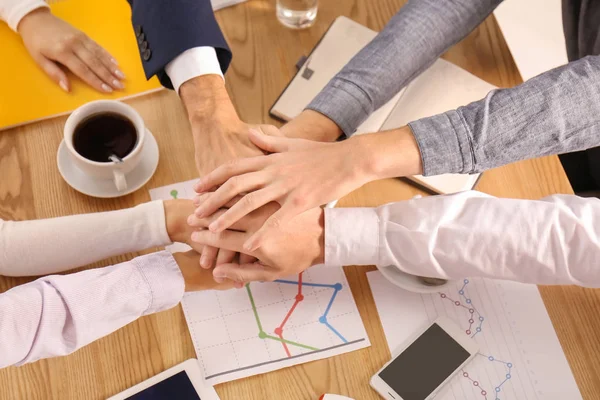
(442, 87)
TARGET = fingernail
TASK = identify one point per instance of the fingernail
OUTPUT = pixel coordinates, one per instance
(112, 60)
(117, 84)
(63, 86)
(197, 186)
(219, 279)
(238, 285)
(256, 131)
(194, 236)
(203, 261)
(196, 201)
(214, 227)
(106, 88)
(248, 246)
(119, 74)
(199, 213)
(191, 220)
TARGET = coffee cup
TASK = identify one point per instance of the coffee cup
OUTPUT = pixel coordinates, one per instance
(96, 130)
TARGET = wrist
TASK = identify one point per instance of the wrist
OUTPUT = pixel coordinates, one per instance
(205, 98)
(312, 125)
(32, 19)
(176, 213)
(389, 154)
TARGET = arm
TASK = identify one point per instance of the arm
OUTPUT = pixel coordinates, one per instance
(40, 247)
(555, 240)
(57, 315)
(165, 29)
(413, 39)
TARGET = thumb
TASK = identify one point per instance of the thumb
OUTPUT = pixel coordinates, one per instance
(243, 273)
(54, 72)
(271, 144)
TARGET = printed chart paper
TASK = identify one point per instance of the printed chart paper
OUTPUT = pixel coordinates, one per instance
(520, 356)
(267, 326)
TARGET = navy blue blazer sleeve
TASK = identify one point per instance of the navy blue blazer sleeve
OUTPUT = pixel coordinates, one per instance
(166, 28)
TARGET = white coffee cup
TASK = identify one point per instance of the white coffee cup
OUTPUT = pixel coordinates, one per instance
(106, 170)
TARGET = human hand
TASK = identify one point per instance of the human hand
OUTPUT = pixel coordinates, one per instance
(219, 136)
(292, 248)
(52, 42)
(197, 278)
(300, 175)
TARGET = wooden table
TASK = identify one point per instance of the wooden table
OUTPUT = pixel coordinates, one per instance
(265, 55)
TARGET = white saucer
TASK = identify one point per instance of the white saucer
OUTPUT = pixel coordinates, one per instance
(409, 282)
(105, 188)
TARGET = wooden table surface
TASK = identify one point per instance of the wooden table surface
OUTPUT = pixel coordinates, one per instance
(265, 55)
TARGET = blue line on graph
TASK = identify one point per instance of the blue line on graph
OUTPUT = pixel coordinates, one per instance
(323, 319)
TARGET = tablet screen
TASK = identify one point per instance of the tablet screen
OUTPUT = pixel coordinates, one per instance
(177, 387)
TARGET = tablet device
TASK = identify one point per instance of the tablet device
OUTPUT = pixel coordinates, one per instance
(181, 382)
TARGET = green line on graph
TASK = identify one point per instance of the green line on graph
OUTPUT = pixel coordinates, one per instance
(262, 334)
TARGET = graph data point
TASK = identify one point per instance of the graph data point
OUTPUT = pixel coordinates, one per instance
(262, 335)
(323, 319)
(491, 358)
(466, 374)
(478, 329)
(471, 310)
(466, 281)
(468, 331)
(337, 286)
(509, 365)
(443, 295)
(468, 301)
(457, 303)
(483, 393)
(461, 292)
(481, 318)
(278, 331)
(508, 376)
(475, 383)
(497, 389)
(299, 297)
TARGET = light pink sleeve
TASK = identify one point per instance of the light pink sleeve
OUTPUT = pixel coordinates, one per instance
(56, 315)
(12, 11)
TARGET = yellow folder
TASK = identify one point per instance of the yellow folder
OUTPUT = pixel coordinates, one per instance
(27, 94)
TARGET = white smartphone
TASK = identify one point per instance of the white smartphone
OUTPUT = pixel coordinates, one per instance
(420, 368)
(181, 382)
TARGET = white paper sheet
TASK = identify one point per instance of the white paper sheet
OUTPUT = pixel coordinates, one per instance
(268, 326)
(520, 357)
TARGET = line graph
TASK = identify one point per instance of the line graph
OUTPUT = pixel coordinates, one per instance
(465, 303)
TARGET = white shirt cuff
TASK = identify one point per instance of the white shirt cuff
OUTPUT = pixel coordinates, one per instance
(351, 236)
(13, 11)
(193, 62)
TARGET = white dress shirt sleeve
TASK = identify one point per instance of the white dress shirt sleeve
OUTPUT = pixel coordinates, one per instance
(12, 11)
(193, 62)
(56, 315)
(555, 240)
(48, 246)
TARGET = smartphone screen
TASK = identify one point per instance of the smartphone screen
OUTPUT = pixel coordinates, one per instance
(425, 364)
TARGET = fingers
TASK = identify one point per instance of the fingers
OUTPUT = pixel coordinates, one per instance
(243, 273)
(54, 72)
(88, 53)
(242, 225)
(271, 144)
(228, 170)
(225, 257)
(246, 259)
(208, 257)
(250, 202)
(228, 240)
(81, 69)
(233, 187)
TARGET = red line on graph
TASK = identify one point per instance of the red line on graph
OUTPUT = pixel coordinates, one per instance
(279, 329)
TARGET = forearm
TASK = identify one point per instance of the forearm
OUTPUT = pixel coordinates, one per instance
(12, 11)
(47, 246)
(206, 98)
(413, 39)
(56, 315)
(553, 113)
(552, 241)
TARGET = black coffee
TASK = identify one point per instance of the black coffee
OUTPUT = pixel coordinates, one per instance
(101, 135)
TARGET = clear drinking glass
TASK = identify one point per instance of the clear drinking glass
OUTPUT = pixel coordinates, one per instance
(297, 14)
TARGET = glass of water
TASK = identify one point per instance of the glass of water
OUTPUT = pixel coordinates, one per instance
(297, 14)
